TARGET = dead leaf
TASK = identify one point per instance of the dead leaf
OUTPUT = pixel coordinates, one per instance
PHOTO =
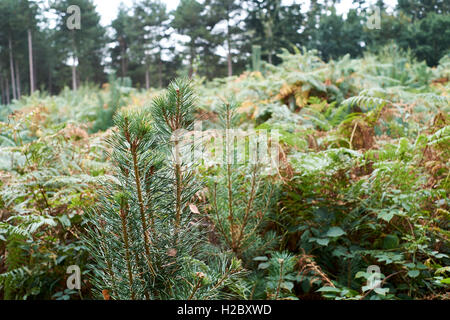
(194, 208)
(172, 252)
(106, 295)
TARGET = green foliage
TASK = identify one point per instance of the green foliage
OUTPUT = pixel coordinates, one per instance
(241, 199)
(118, 91)
(256, 58)
(138, 47)
(277, 278)
(144, 238)
(362, 180)
(431, 38)
(47, 177)
(85, 47)
(377, 219)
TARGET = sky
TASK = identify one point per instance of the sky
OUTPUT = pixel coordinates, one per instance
(108, 8)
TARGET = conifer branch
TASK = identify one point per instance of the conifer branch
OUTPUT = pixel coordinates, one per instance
(123, 216)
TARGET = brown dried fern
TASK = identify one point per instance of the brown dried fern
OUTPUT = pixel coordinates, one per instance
(309, 267)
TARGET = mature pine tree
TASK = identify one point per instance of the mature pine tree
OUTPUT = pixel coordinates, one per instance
(191, 18)
(85, 47)
(337, 36)
(150, 28)
(9, 27)
(273, 26)
(119, 52)
(29, 21)
(229, 12)
(395, 28)
(430, 39)
(419, 9)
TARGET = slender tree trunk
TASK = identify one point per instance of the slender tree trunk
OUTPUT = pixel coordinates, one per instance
(34, 76)
(123, 61)
(123, 58)
(74, 74)
(147, 77)
(11, 66)
(30, 59)
(230, 65)
(2, 91)
(50, 80)
(191, 60)
(8, 101)
(19, 89)
(123, 66)
(74, 66)
(74, 77)
(160, 72)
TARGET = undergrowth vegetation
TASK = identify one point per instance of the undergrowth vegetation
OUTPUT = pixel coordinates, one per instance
(92, 178)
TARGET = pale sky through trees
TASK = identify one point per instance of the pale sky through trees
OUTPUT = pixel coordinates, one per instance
(108, 8)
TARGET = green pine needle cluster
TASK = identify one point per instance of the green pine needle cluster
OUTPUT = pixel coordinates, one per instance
(241, 197)
(145, 240)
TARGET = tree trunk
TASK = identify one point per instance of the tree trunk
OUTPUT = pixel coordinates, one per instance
(123, 56)
(191, 60)
(34, 76)
(74, 66)
(19, 89)
(2, 91)
(147, 78)
(160, 72)
(50, 78)
(123, 62)
(74, 74)
(30, 59)
(74, 77)
(11, 66)
(230, 66)
(123, 67)
(8, 101)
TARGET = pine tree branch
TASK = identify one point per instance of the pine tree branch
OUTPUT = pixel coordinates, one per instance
(127, 250)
